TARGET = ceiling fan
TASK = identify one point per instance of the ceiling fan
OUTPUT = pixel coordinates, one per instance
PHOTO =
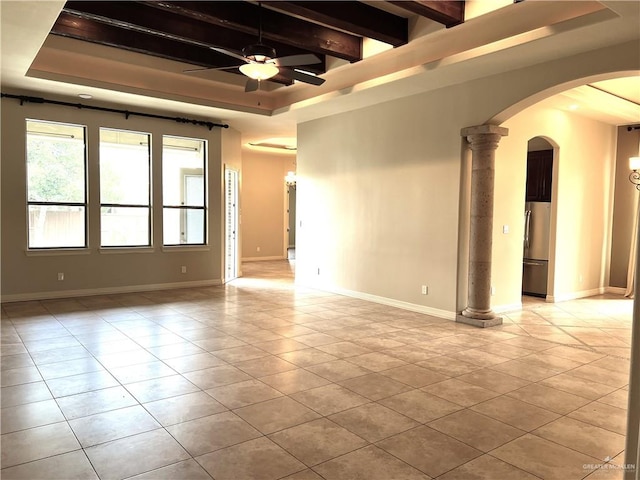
(261, 63)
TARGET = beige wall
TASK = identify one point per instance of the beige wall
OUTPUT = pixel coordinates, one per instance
(377, 214)
(384, 210)
(625, 203)
(27, 276)
(264, 204)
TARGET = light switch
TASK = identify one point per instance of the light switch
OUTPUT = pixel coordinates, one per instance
(505, 229)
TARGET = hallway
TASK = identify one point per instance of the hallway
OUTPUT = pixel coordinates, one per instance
(264, 379)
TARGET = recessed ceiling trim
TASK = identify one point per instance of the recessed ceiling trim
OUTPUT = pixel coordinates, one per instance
(454, 46)
(274, 145)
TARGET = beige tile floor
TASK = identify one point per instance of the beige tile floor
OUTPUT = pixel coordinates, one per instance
(261, 379)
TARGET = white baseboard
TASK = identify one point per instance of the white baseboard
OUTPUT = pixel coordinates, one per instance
(435, 312)
(563, 297)
(87, 292)
(616, 290)
(263, 259)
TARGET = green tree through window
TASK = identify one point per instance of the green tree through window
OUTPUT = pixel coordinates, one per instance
(56, 185)
(56, 170)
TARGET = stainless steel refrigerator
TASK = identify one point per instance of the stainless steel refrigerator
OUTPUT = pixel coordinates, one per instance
(537, 220)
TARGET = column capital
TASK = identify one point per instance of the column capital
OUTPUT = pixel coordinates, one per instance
(484, 130)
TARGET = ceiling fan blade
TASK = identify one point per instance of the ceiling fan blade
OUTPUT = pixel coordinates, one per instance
(204, 69)
(301, 77)
(295, 60)
(230, 53)
(252, 85)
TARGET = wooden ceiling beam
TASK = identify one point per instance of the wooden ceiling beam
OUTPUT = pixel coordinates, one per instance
(153, 21)
(450, 13)
(350, 16)
(246, 17)
(84, 29)
(72, 26)
(68, 25)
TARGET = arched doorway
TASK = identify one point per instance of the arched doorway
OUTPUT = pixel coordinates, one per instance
(537, 276)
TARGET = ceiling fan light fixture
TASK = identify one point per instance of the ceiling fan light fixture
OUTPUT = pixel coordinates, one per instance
(259, 52)
(259, 71)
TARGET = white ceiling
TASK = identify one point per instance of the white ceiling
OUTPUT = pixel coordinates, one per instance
(616, 102)
(513, 36)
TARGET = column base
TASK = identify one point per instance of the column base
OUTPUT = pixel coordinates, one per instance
(479, 322)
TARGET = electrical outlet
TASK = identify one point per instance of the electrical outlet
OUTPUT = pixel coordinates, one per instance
(505, 229)
(183, 269)
(257, 249)
(493, 290)
(60, 276)
(425, 290)
(318, 270)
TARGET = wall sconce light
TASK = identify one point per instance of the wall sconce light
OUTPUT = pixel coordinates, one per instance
(290, 179)
(634, 176)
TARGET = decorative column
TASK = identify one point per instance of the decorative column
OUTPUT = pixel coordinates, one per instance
(483, 140)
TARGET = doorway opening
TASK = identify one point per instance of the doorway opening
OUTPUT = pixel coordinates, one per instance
(291, 225)
(538, 213)
(231, 224)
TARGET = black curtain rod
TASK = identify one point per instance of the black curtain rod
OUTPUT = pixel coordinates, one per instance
(633, 127)
(126, 113)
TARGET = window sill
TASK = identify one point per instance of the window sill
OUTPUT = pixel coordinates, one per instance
(125, 250)
(185, 248)
(52, 252)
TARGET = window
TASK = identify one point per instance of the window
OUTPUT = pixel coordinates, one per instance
(125, 193)
(184, 191)
(56, 185)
